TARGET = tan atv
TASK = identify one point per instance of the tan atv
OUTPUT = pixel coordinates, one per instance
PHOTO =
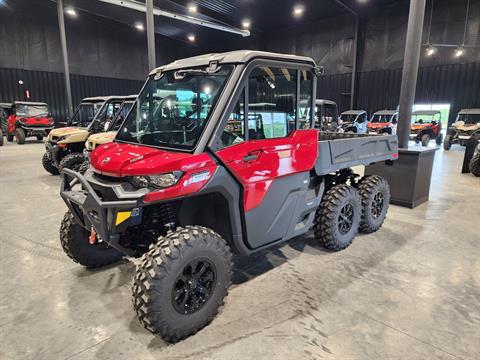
(64, 146)
(466, 125)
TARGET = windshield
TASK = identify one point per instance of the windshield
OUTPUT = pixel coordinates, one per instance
(469, 118)
(120, 116)
(348, 118)
(31, 110)
(424, 119)
(105, 115)
(172, 111)
(84, 114)
(381, 118)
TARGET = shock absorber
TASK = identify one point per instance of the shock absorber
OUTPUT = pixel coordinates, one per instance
(167, 215)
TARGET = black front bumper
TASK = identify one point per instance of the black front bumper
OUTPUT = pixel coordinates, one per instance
(90, 210)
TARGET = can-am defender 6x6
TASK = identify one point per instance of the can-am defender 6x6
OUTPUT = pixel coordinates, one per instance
(184, 185)
(27, 119)
(383, 122)
(466, 125)
(64, 146)
(426, 125)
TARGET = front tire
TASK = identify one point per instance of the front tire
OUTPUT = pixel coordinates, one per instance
(447, 143)
(439, 139)
(474, 164)
(375, 194)
(1, 138)
(49, 166)
(338, 217)
(73, 161)
(20, 136)
(425, 139)
(74, 241)
(9, 137)
(181, 282)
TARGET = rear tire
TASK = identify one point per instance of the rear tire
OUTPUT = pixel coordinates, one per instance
(49, 166)
(181, 282)
(474, 164)
(20, 136)
(74, 241)
(375, 194)
(9, 137)
(425, 139)
(447, 143)
(338, 217)
(439, 139)
(72, 161)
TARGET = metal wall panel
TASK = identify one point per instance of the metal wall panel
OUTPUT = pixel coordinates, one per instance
(50, 88)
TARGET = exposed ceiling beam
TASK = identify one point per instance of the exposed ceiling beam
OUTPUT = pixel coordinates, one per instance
(139, 6)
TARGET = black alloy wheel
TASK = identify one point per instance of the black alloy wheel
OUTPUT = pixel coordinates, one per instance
(377, 205)
(345, 219)
(193, 286)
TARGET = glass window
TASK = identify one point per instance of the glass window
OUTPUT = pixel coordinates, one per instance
(83, 116)
(120, 116)
(172, 110)
(271, 102)
(27, 110)
(305, 106)
(234, 132)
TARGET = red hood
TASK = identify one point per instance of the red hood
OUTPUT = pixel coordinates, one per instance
(117, 159)
(46, 121)
(379, 125)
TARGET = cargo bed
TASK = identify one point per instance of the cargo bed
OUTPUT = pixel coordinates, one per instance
(343, 150)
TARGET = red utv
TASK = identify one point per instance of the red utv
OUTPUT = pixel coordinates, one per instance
(26, 119)
(383, 122)
(426, 125)
(206, 163)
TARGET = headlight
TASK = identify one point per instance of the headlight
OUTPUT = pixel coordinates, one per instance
(160, 181)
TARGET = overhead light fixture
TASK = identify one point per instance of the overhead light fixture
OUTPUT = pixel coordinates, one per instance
(191, 38)
(139, 26)
(246, 23)
(20, 82)
(298, 10)
(430, 51)
(71, 12)
(459, 51)
(362, 1)
(192, 7)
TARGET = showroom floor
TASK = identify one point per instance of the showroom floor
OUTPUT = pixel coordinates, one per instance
(409, 291)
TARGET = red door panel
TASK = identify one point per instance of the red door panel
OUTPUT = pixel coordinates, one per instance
(257, 163)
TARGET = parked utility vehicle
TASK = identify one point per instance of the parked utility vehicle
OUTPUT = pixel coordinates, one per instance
(3, 123)
(426, 125)
(355, 121)
(466, 125)
(183, 189)
(383, 122)
(474, 164)
(64, 146)
(327, 117)
(27, 119)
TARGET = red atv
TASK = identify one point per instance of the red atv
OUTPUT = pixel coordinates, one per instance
(383, 122)
(26, 119)
(199, 170)
(426, 125)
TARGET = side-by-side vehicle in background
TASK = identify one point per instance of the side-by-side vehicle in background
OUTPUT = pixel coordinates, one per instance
(355, 121)
(64, 146)
(27, 119)
(426, 125)
(383, 122)
(327, 116)
(466, 125)
(210, 162)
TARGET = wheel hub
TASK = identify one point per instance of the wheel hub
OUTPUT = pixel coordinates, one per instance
(345, 219)
(377, 204)
(193, 286)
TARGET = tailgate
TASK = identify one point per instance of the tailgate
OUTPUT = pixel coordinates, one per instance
(341, 151)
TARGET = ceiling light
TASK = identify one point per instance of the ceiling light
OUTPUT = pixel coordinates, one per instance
(191, 38)
(362, 1)
(459, 51)
(298, 10)
(246, 23)
(71, 12)
(430, 51)
(139, 26)
(20, 82)
(192, 7)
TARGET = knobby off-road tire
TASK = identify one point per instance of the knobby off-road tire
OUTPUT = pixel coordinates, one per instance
(20, 136)
(474, 164)
(425, 139)
(374, 192)
(10, 136)
(169, 288)
(84, 167)
(74, 241)
(48, 165)
(439, 139)
(447, 143)
(329, 226)
(72, 161)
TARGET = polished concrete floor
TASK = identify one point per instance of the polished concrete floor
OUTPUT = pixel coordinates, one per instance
(409, 291)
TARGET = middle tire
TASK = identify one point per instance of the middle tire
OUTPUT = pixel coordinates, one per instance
(375, 194)
(73, 161)
(338, 217)
(181, 282)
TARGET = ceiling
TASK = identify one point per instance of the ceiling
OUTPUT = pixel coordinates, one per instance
(265, 15)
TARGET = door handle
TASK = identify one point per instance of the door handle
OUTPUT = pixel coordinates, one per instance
(251, 156)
